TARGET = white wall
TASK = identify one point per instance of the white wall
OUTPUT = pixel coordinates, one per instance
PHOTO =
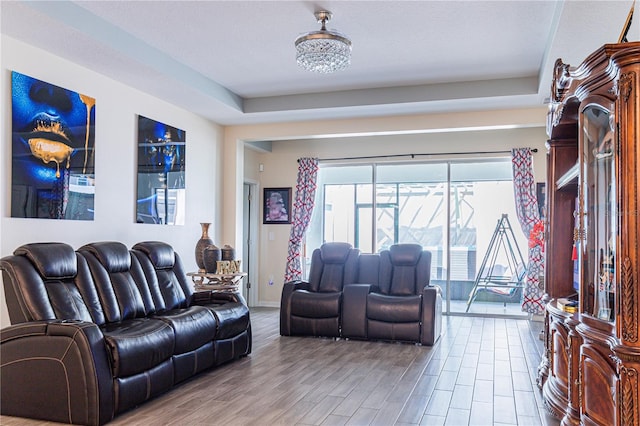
(117, 107)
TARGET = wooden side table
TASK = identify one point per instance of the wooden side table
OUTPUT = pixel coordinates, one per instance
(221, 283)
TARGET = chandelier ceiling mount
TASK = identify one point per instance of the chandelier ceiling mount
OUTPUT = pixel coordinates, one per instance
(323, 51)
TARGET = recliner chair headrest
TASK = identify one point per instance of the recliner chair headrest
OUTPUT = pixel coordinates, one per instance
(161, 254)
(113, 255)
(405, 254)
(335, 252)
(52, 260)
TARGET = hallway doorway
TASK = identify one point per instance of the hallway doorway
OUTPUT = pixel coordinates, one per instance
(250, 207)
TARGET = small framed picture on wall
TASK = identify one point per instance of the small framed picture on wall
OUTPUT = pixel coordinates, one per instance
(277, 206)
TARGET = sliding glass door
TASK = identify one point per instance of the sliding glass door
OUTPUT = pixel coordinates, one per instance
(450, 208)
(480, 193)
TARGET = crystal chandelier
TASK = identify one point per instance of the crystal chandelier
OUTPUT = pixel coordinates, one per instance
(323, 51)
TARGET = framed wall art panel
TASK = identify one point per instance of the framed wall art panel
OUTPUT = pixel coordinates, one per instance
(53, 142)
(161, 191)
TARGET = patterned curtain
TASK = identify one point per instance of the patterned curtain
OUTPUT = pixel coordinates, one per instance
(528, 215)
(302, 208)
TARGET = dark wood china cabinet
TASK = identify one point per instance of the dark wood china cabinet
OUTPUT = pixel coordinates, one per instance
(589, 372)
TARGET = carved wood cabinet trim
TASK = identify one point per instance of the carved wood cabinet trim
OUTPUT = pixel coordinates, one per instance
(629, 314)
(630, 209)
(629, 408)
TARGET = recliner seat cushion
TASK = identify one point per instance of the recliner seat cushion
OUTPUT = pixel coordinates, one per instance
(315, 305)
(233, 319)
(52, 260)
(404, 281)
(113, 255)
(332, 266)
(405, 254)
(47, 281)
(395, 331)
(160, 254)
(193, 327)
(165, 275)
(399, 267)
(393, 309)
(113, 273)
(331, 279)
(335, 252)
(138, 345)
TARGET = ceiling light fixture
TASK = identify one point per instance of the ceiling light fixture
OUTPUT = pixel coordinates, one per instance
(323, 51)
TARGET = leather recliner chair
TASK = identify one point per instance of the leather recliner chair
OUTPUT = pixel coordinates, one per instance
(170, 289)
(397, 303)
(53, 304)
(313, 307)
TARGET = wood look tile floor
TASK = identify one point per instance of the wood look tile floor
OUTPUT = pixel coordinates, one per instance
(481, 372)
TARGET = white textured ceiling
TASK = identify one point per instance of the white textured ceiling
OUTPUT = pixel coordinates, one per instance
(233, 61)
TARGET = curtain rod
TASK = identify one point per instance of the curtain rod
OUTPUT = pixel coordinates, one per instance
(367, 157)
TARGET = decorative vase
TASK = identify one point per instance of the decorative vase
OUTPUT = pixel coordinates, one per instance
(228, 252)
(202, 243)
(211, 256)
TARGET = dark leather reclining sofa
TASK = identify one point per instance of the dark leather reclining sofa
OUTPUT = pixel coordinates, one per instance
(382, 296)
(102, 329)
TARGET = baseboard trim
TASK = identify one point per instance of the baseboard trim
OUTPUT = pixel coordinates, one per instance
(266, 304)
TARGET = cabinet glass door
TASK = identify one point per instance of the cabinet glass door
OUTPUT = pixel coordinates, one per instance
(600, 221)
